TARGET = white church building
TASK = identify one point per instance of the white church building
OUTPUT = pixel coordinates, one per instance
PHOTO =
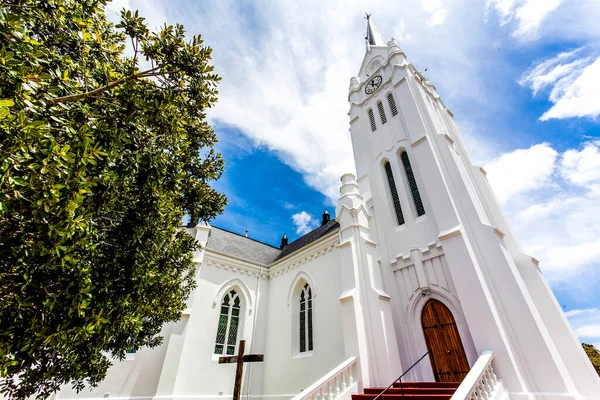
(418, 261)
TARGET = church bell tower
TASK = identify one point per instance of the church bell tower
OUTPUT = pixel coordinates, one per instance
(438, 244)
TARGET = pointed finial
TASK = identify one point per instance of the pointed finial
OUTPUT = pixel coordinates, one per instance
(326, 218)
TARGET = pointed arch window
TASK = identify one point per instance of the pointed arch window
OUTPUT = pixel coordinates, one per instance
(394, 192)
(381, 113)
(372, 120)
(410, 177)
(229, 320)
(392, 103)
(306, 321)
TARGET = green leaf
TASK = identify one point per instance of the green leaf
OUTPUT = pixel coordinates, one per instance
(6, 103)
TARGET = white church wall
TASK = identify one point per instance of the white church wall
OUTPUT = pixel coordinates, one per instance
(287, 371)
(135, 377)
(198, 371)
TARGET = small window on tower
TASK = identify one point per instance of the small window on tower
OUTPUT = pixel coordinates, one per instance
(410, 177)
(392, 104)
(394, 193)
(381, 113)
(372, 119)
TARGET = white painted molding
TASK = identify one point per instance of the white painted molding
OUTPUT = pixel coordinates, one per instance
(370, 243)
(301, 277)
(449, 233)
(230, 284)
(347, 295)
(419, 141)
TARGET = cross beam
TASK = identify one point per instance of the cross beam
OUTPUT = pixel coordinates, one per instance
(240, 359)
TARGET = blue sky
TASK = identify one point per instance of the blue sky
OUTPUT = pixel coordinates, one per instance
(521, 76)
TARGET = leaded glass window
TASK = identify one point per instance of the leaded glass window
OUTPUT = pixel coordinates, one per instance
(394, 193)
(410, 177)
(306, 321)
(372, 119)
(392, 104)
(229, 320)
(381, 113)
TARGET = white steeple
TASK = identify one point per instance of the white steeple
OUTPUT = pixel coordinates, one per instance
(441, 239)
(373, 37)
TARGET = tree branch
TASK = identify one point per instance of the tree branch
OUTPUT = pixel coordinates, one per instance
(92, 93)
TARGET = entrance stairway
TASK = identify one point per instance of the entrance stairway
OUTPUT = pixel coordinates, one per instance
(412, 391)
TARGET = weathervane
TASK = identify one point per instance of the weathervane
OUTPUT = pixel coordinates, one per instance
(369, 34)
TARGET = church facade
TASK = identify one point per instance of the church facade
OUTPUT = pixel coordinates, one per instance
(418, 261)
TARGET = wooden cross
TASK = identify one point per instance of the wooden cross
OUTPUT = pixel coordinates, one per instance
(240, 359)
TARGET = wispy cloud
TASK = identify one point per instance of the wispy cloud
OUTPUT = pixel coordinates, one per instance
(304, 222)
(573, 82)
(528, 14)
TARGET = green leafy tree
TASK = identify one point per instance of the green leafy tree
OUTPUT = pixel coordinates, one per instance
(100, 160)
(594, 356)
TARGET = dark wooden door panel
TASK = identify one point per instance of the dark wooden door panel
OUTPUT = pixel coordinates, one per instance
(446, 352)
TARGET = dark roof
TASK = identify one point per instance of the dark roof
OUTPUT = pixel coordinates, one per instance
(307, 239)
(241, 246)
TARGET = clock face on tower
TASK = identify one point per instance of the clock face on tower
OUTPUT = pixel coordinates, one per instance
(373, 84)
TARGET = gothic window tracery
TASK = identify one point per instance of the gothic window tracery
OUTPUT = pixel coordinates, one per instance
(306, 320)
(229, 320)
(381, 113)
(372, 120)
(394, 193)
(410, 177)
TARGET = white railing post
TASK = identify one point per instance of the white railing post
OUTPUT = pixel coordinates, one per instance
(333, 385)
(481, 382)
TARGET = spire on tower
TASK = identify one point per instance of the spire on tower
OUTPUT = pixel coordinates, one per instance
(373, 37)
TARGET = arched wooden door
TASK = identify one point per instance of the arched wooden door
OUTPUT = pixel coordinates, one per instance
(446, 352)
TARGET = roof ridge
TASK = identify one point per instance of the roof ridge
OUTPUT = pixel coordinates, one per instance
(245, 237)
(308, 233)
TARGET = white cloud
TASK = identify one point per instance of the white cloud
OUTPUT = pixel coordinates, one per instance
(581, 98)
(573, 313)
(286, 71)
(573, 82)
(304, 222)
(521, 171)
(589, 331)
(582, 167)
(437, 13)
(528, 14)
(552, 202)
(586, 324)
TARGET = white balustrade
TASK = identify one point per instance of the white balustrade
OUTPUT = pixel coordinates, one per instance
(336, 384)
(481, 382)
